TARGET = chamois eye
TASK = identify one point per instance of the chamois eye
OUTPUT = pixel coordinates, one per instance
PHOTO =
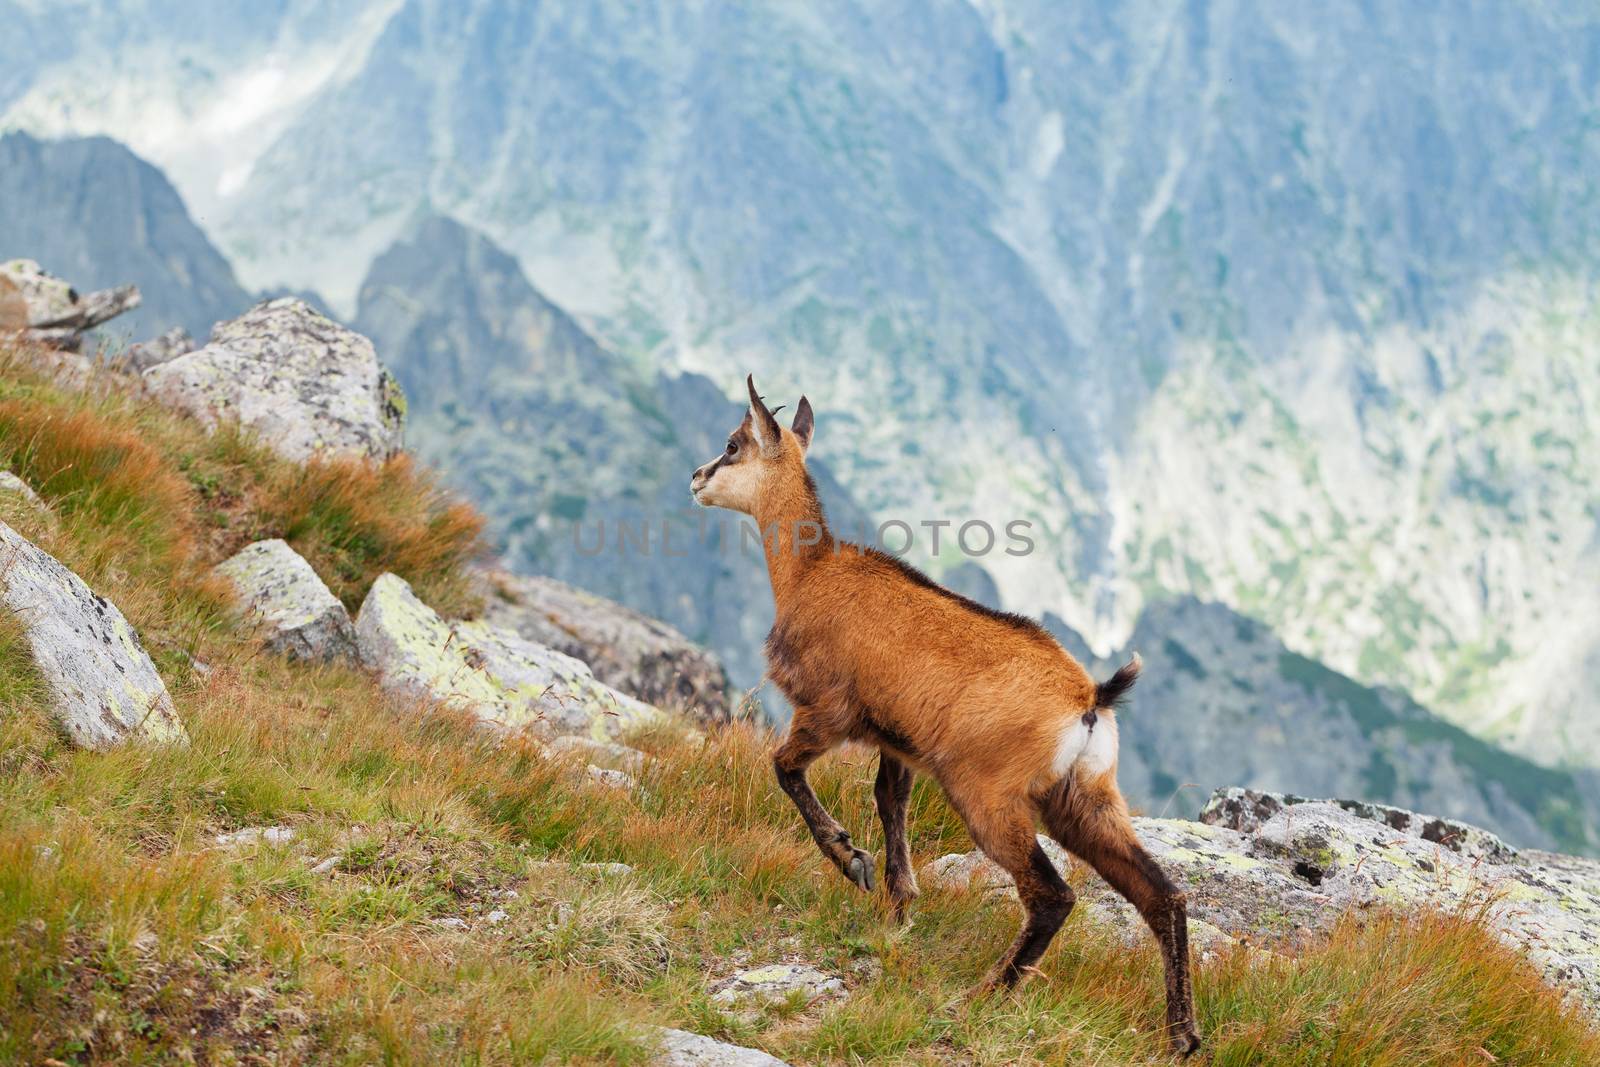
(733, 448)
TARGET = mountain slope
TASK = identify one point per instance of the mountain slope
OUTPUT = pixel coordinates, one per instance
(92, 211)
(332, 872)
(1029, 256)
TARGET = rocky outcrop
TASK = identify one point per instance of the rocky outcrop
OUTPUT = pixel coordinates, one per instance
(1294, 867)
(504, 679)
(630, 651)
(1247, 810)
(306, 385)
(47, 309)
(169, 346)
(291, 608)
(103, 687)
(679, 1048)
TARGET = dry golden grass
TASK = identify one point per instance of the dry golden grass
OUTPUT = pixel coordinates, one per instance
(128, 936)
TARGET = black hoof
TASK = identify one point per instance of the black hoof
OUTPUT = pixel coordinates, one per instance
(860, 870)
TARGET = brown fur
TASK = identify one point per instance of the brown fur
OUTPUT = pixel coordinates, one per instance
(869, 650)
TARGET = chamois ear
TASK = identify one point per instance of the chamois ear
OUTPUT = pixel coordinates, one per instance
(763, 423)
(804, 423)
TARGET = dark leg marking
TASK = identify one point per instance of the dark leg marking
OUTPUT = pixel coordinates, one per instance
(799, 751)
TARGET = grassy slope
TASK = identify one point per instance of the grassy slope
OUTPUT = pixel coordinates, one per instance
(127, 936)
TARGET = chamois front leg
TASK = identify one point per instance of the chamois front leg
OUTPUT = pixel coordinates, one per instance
(798, 751)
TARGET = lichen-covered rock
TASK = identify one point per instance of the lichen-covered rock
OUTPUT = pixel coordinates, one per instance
(1249, 809)
(1311, 862)
(292, 609)
(103, 687)
(632, 652)
(976, 872)
(305, 384)
(776, 983)
(49, 310)
(679, 1048)
(163, 349)
(505, 680)
(1110, 912)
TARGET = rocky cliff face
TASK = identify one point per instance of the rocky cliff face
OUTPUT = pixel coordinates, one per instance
(90, 210)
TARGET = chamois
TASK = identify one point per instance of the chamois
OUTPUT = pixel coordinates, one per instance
(868, 649)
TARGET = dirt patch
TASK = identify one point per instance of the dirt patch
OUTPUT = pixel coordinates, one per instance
(200, 1007)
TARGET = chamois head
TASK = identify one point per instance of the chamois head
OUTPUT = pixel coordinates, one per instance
(759, 453)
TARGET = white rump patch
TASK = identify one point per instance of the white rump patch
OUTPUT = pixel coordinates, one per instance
(1086, 750)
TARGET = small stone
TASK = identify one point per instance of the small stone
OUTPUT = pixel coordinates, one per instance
(607, 870)
(611, 779)
(169, 346)
(605, 753)
(451, 922)
(776, 982)
(329, 865)
(10, 483)
(679, 1048)
(498, 915)
(256, 835)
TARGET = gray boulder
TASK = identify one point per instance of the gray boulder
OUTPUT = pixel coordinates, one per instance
(49, 310)
(505, 680)
(679, 1048)
(169, 346)
(1293, 867)
(1248, 809)
(625, 649)
(294, 612)
(1311, 862)
(103, 687)
(305, 384)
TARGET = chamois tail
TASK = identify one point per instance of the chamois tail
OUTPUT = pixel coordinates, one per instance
(1114, 690)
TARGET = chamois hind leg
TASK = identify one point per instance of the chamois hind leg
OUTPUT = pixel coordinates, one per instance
(1006, 836)
(1091, 820)
(806, 741)
(892, 791)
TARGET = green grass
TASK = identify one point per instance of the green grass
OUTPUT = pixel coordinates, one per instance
(128, 936)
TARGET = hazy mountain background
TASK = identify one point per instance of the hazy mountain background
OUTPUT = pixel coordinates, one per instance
(1290, 316)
